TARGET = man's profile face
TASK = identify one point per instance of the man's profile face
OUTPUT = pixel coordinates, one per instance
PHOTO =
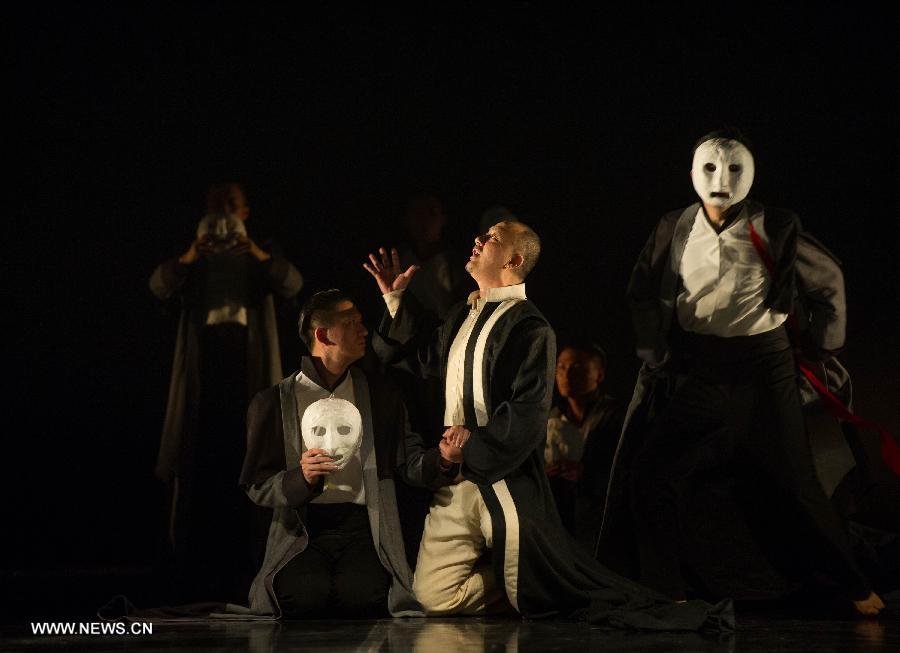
(346, 331)
(722, 172)
(578, 373)
(492, 250)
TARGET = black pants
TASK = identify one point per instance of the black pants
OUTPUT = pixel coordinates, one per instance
(339, 574)
(739, 398)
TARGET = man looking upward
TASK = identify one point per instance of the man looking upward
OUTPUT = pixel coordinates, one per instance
(495, 356)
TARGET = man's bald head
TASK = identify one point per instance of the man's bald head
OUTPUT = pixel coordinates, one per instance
(526, 243)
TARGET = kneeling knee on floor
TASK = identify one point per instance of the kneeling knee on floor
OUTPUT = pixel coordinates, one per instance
(436, 600)
(362, 593)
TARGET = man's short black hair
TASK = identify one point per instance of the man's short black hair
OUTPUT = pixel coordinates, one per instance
(728, 132)
(588, 346)
(316, 312)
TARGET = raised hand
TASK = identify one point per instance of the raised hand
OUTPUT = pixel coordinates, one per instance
(386, 270)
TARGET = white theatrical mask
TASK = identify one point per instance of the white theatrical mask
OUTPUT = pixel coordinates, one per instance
(722, 172)
(334, 425)
(222, 228)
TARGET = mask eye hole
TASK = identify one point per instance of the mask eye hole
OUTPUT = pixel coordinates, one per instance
(318, 431)
(734, 167)
(344, 430)
(710, 167)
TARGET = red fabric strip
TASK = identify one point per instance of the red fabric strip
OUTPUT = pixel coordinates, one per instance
(890, 452)
(889, 449)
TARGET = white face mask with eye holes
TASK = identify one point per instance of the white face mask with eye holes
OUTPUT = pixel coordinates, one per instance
(722, 172)
(334, 425)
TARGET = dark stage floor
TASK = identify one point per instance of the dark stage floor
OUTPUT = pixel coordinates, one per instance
(759, 633)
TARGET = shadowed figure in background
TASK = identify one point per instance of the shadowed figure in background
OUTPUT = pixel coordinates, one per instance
(494, 214)
(226, 351)
(582, 434)
(439, 283)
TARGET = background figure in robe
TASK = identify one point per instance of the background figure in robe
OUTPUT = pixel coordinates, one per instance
(440, 281)
(226, 351)
(582, 434)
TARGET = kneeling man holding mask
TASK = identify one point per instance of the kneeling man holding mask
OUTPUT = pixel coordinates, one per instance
(323, 449)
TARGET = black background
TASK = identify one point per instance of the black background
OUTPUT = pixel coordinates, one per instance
(581, 122)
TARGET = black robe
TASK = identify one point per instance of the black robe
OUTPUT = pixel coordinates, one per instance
(543, 571)
(213, 379)
(732, 544)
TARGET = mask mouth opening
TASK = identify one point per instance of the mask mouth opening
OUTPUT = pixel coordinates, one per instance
(718, 193)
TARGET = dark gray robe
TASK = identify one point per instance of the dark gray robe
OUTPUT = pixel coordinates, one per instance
(276, 276)
(272, 477)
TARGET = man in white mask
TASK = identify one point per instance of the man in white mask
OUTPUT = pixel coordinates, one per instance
(323, 449)
(710, 297)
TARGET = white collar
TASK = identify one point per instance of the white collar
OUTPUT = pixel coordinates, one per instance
(515, 291)
(742, 216)
(309, 377)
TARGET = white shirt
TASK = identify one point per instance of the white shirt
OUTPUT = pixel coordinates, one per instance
(725, 280)
(344, 485)
(565, 440)
(454, 407)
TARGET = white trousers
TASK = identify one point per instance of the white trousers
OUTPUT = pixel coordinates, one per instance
(449, 579)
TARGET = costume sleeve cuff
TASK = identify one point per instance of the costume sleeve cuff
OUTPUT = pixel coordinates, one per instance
(433, 457)
(296, 490)
(392, 300)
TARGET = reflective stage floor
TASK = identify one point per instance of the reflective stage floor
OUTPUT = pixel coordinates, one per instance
(755, 633)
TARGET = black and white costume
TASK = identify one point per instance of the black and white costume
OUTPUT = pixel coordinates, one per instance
(502, 393)
(720, 383)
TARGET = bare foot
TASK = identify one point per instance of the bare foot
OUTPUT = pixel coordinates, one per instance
(869, 606)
